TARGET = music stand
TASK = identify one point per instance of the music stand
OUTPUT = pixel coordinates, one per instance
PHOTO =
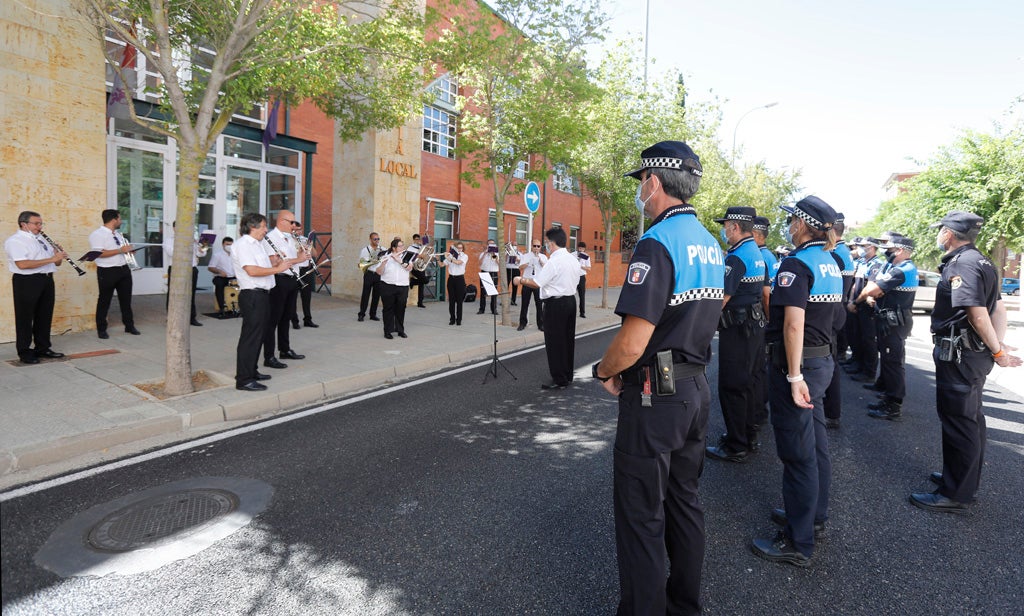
(490, 290)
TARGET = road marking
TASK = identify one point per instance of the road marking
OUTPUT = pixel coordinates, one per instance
(222, 436)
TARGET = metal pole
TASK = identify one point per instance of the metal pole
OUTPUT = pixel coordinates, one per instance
(768, 106)
(647, 38)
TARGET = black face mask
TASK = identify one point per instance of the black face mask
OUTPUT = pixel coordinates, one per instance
(889, 255)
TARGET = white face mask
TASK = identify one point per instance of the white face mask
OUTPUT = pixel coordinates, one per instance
(938, 241)
(227, 249)
(641, 204)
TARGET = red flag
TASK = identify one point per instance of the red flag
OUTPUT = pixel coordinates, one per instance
(120, 96)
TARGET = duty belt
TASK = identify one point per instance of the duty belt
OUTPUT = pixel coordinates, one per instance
(635, 376)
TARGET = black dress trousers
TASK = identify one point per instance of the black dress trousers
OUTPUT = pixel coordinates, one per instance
(282, 307)
(524, 308)
(739, 348)
(560, 337)
(34, 298)
(456, 287)
(371, 280)
(958, 397)
(255, 307)
(111, 279)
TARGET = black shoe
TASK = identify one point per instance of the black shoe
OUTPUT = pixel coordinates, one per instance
(553, 385)
(251, 386)
(493, 312)
(29, 359)
(754, 445)
(779, 517)
(583, 316)
(309, 323)
(373, 318)
(102, 335)
(877, 406)
(520, 328)
(295, 325)
(479, 311)
(273, 362)
(862, 377)
(457, 322)
(872, 387)
(831, 423)
(726, 453)
(195, 322)
(49, 354)
(291, 355)
(402, 335)
(451, 321)
(362, 318)
(936, 502)
(935, 477)
(540, 327)
(389, 336)
(893, 411)
(852, 369)
(779, 550)
(131, 330)
(513, 304)
(420, 306)
(262, 377)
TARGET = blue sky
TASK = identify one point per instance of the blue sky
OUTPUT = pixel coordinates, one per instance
(861, 86)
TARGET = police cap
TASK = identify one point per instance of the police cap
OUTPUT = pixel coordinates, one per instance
(960, 221)
(813, 211)
(668, 155)
(897, 240)
(761, 223)
(738, 213)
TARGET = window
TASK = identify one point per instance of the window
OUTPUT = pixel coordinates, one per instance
(562, 181)
(574, 238)
(522, 168)
(514, 224)
(444, 223)
(438, 131)
(445, 90)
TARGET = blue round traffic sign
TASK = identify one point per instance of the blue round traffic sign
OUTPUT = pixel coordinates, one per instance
(532, 197)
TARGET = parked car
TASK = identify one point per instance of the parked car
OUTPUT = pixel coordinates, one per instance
(926, 283)
(1011, 286)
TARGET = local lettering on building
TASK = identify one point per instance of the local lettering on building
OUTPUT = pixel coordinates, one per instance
(397, 168)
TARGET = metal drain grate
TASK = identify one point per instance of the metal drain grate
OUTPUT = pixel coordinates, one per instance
(153, 519)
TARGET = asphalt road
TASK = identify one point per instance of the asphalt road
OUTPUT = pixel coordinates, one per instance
(456, 497)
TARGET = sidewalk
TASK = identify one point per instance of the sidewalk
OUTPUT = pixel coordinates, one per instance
(61, 415)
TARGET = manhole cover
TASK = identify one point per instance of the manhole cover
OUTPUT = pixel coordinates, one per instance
(150, 520)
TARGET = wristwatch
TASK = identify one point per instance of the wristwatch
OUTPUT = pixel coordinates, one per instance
(593, 372)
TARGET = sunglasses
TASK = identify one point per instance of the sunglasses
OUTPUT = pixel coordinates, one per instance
(536, 245)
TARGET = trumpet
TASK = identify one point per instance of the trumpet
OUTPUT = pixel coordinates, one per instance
(56, 246)
(129, 257)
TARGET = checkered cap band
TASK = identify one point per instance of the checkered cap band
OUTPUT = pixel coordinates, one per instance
(752, 279)
(899, 244)
(761, 227)
(811, 220)
(906, 289)
(745, 217)
(696, 294)
(665, 162)
(826, 299)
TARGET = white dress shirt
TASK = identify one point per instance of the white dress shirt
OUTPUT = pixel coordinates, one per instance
(285, 243)
(248, 251)
(394, 273)
(532, 264)
(456, 265)
(168, 244)
(107, 239)
(488, 261)
(560, 276)
(223, 261)
(368, 253)
(585, 264)
(23, 246)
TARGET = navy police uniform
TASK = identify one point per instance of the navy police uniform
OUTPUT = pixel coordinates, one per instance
(834, 395)
(893, 323)
(968, 279)
(771, 265)
(866, 317)
(809, 279)
(675, 280)
(740, 342)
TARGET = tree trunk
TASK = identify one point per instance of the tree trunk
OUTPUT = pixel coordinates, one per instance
(607, 216)
(499, 221)
(178, 371)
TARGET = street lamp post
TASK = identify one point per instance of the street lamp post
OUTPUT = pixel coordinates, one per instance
(768, 106)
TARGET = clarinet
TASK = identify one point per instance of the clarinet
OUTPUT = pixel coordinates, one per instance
(280, 255)
(56, 246)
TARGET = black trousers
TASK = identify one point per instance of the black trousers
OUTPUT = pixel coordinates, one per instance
(739, 348)
(852, 330)
(112, 279)
(560, 337)
(34, 298)
(394, 297)
(255, 307)
(761, 389)
(195, 279)
(802, 444)
(581, 290)
(370, 280)
(892, 376)
(456, 288)
(418, 280)
(483, 293)
(524, 309)
(868, 340)
(658, 460)
(306, 294)
(219, 282)
(282, 307)
(958, 397)
(510, 273)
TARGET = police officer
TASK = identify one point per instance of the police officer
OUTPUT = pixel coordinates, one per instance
(867, 344)
(740, 335)
(968, 324)
(833, 395)
(670, 306)
(771, 264)
(894, 292)
(851, 328)
(804, 307)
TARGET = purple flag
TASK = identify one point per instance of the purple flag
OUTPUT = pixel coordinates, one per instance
(121, 97)
(270, 132)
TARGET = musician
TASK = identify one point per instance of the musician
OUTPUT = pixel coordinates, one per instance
(557, 283)
(223, 269)
(489, 267)
(281, 246)
(530, 265)
(256, 277)
(32, 262)
(394, 289)
(307, 276)
(419, 279)
(456, 261)
(371, 278)
(512, 258)
(199, 251)
(112, 273)
(585, 265)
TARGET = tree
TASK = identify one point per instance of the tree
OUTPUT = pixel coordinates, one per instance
(359, 61)
(522, 75)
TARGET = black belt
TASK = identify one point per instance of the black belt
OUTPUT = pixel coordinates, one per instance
(683, 370)
(256, 290)
(824, 350)
(47, 274)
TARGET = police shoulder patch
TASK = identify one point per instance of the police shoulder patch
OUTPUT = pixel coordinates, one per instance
(955, 282)
(728, 269)
(637, 273)
(786, 279)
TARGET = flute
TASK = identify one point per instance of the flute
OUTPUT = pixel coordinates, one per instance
(56, 246)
